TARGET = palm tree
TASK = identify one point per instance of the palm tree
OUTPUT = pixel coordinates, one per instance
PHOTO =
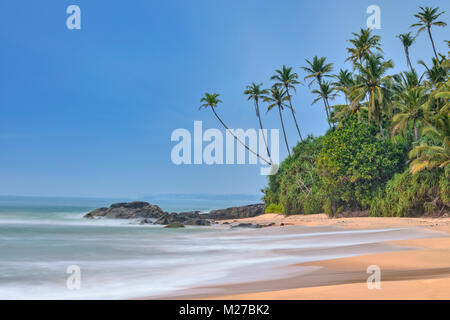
(325, 93)
(363, 44)
(212, 100)
(407, 40)
(317, 70)
(344, 82)
(436, 155)
(285, 78)
(277, 98)
(411, 104)
(373, 84)
(255, 92)
(427, 18)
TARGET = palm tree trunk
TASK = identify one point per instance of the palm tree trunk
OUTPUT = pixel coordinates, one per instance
(407, 59)
(319, 80)
(293, 114)
(237, 139)
(326, 110)
(416, 134)
(432, 43)
(284, 131)
(262, 130)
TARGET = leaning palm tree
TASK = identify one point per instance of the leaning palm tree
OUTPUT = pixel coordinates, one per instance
(407, 40)
(285, 78)
(318, 69)
(212, 100)
(255, 92)
(277, 98)
(325, 93)
(411, 106)
(363, 45)
(427, 18)
(373, 84)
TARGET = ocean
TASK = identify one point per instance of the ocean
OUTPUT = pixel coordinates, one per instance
(41, 239)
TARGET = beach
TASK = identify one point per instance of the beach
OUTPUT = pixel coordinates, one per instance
(417, 269)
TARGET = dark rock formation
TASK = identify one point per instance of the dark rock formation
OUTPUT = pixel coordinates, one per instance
(193, 218)
(128, 210)
(152, 214)
(236, 212)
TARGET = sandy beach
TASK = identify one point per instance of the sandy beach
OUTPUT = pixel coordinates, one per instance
(413, 269)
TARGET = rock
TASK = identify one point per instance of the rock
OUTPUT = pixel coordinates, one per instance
(128, 210)
(175, 225)
(249, 211)
(246, 225)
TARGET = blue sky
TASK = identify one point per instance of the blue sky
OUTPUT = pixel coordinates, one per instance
(90, 112)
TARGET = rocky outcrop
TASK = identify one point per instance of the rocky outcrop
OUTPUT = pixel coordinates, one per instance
(152, 214)
(236, 212)
(193, 218)
(128, 210)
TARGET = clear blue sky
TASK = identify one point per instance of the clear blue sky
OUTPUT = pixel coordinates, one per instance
(90, 112)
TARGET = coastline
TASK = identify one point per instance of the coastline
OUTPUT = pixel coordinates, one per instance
(412, 269)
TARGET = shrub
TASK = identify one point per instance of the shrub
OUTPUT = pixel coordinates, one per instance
(408, 194)
(296, 181)
(274, 208)
(353, 164)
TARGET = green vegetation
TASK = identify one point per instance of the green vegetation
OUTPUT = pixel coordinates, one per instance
(274, 208)
(387, 149)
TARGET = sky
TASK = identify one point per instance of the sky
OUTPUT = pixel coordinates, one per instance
(90, 112)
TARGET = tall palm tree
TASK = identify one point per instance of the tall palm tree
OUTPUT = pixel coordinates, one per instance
(373, 84)
(407, 40)
(427, 18)
(325, 93)
(318, 69)
(344, 81)
(287, 79)
(277, 98)
(410, 105)
(255, 92)
(363, 45)
(212, 100)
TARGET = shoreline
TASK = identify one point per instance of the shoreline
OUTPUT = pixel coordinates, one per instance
(417, 268)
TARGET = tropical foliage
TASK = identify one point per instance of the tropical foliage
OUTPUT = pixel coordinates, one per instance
(387, 149)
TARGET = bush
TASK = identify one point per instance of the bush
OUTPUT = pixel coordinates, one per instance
(408, 194)
(296, 181)
(274, 208)
(353, 164)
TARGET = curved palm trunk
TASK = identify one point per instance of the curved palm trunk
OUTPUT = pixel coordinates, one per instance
(432, 43)
(237, 139)
(407, 58)
(284, 132)
(293, 114)
(262, 130)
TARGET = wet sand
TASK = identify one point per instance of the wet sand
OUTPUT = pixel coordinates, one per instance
(416, 268)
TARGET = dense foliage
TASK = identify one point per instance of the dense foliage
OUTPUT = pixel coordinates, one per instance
(354, 164)
(388, 146)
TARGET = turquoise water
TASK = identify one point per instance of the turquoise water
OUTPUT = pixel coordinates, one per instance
(41, 237)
